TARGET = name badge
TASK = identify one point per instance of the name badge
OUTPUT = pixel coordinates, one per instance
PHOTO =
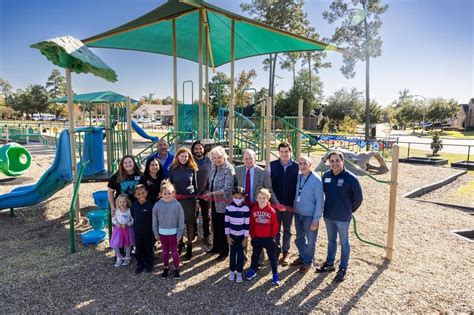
(327, 180)
(298, 198)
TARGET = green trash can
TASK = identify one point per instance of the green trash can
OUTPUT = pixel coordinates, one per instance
(14, 159)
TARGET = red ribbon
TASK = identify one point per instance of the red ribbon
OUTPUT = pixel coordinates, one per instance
(275, 206)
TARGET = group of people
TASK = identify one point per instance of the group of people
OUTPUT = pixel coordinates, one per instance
(238, 203)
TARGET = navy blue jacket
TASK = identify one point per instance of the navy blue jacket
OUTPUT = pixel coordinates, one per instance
(284, 181)
(343, 195)
(142, 218)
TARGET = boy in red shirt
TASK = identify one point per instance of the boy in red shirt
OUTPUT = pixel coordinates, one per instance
(263, 229)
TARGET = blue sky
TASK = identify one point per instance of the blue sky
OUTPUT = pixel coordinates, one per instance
(428, 48)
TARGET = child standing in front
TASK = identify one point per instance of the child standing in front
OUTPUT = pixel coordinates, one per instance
(263, 229)
(168, 226)
(237, 217)
(122, 232)
(142, 214)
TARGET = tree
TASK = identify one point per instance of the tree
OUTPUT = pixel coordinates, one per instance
(376, 112)
(219, 86)
(440, 109)
(283, 14)
(244, 81)
(343, 103)
(287, 105)
(6, 90)
(34, 99)
(167, 100)
(56, 87)
(361, 40)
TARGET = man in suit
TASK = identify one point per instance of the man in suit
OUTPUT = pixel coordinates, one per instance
(252, 178)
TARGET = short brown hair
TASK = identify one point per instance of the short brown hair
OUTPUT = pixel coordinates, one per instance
(285, 145)
(338, 153)
(140, 186)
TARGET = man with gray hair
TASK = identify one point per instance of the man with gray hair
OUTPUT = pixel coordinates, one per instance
(252, 177)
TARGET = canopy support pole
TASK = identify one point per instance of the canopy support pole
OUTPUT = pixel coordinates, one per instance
(129, 127)
(175, 84)
(268, 132)
(231, 105)
(300, 127)
(208, 106)
(72, 138)
(200, 109)
(108, 135)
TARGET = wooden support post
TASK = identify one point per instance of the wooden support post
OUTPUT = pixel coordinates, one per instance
(232, 96)
(268, 132)
(175, 84)
(108, 138)
(300, 127)
(392, 206)
(72, 138)
(200, 109)
(207, 88)
(129, 127)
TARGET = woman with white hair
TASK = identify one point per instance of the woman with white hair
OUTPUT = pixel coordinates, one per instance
(220, 186)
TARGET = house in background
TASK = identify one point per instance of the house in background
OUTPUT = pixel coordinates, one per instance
(163, 113)
(458, 121)
(469, 111)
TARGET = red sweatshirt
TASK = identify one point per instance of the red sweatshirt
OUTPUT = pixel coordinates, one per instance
(263, 222)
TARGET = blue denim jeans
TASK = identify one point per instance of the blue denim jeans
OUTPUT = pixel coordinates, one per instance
(305, 238)
(334, 228)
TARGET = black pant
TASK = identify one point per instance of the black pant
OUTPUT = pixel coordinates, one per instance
(236, 257)
(258, 244)
(144, 250)
(218, 227)
(206, 217)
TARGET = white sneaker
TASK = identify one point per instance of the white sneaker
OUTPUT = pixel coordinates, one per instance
(232, 276)
(118, 263)
(126, 261)
(239, 277)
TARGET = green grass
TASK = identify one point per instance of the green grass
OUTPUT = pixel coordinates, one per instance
(446, 133)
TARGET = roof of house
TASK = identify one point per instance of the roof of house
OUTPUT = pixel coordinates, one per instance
(165, 110)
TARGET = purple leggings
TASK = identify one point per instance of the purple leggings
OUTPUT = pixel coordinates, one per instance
(170, 242)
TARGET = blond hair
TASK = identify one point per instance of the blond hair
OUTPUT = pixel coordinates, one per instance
(166, 185)
(123, 196)
(265, 192)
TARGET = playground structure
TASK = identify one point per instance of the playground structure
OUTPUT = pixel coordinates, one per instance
(361, 160)
(14, 159)
(169, 26)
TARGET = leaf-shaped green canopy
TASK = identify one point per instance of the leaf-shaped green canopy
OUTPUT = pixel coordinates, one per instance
(69, 52)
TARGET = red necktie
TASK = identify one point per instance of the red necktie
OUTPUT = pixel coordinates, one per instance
(247, 188)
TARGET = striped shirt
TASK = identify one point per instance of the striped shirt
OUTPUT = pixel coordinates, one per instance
(237, 220)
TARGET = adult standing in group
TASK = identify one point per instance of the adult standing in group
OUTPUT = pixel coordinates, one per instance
(308, 205)
(284, 173)
(343, 196)
(204, 165)
(152, 178)
(183, 176)
(221, 184)
(123, 181)
(164, 156)
(252, 178)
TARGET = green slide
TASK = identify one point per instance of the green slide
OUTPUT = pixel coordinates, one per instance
(14, 159)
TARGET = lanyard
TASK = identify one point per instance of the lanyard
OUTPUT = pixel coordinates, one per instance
(301, 187)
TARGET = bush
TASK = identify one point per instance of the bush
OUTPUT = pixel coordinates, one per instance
(437, 143)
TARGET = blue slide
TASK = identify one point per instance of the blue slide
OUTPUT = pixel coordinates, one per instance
(58, 176)
(142, 132)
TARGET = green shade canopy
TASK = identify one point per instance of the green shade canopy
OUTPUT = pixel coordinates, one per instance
(95, 97)
(152, 32)
(70, 53)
